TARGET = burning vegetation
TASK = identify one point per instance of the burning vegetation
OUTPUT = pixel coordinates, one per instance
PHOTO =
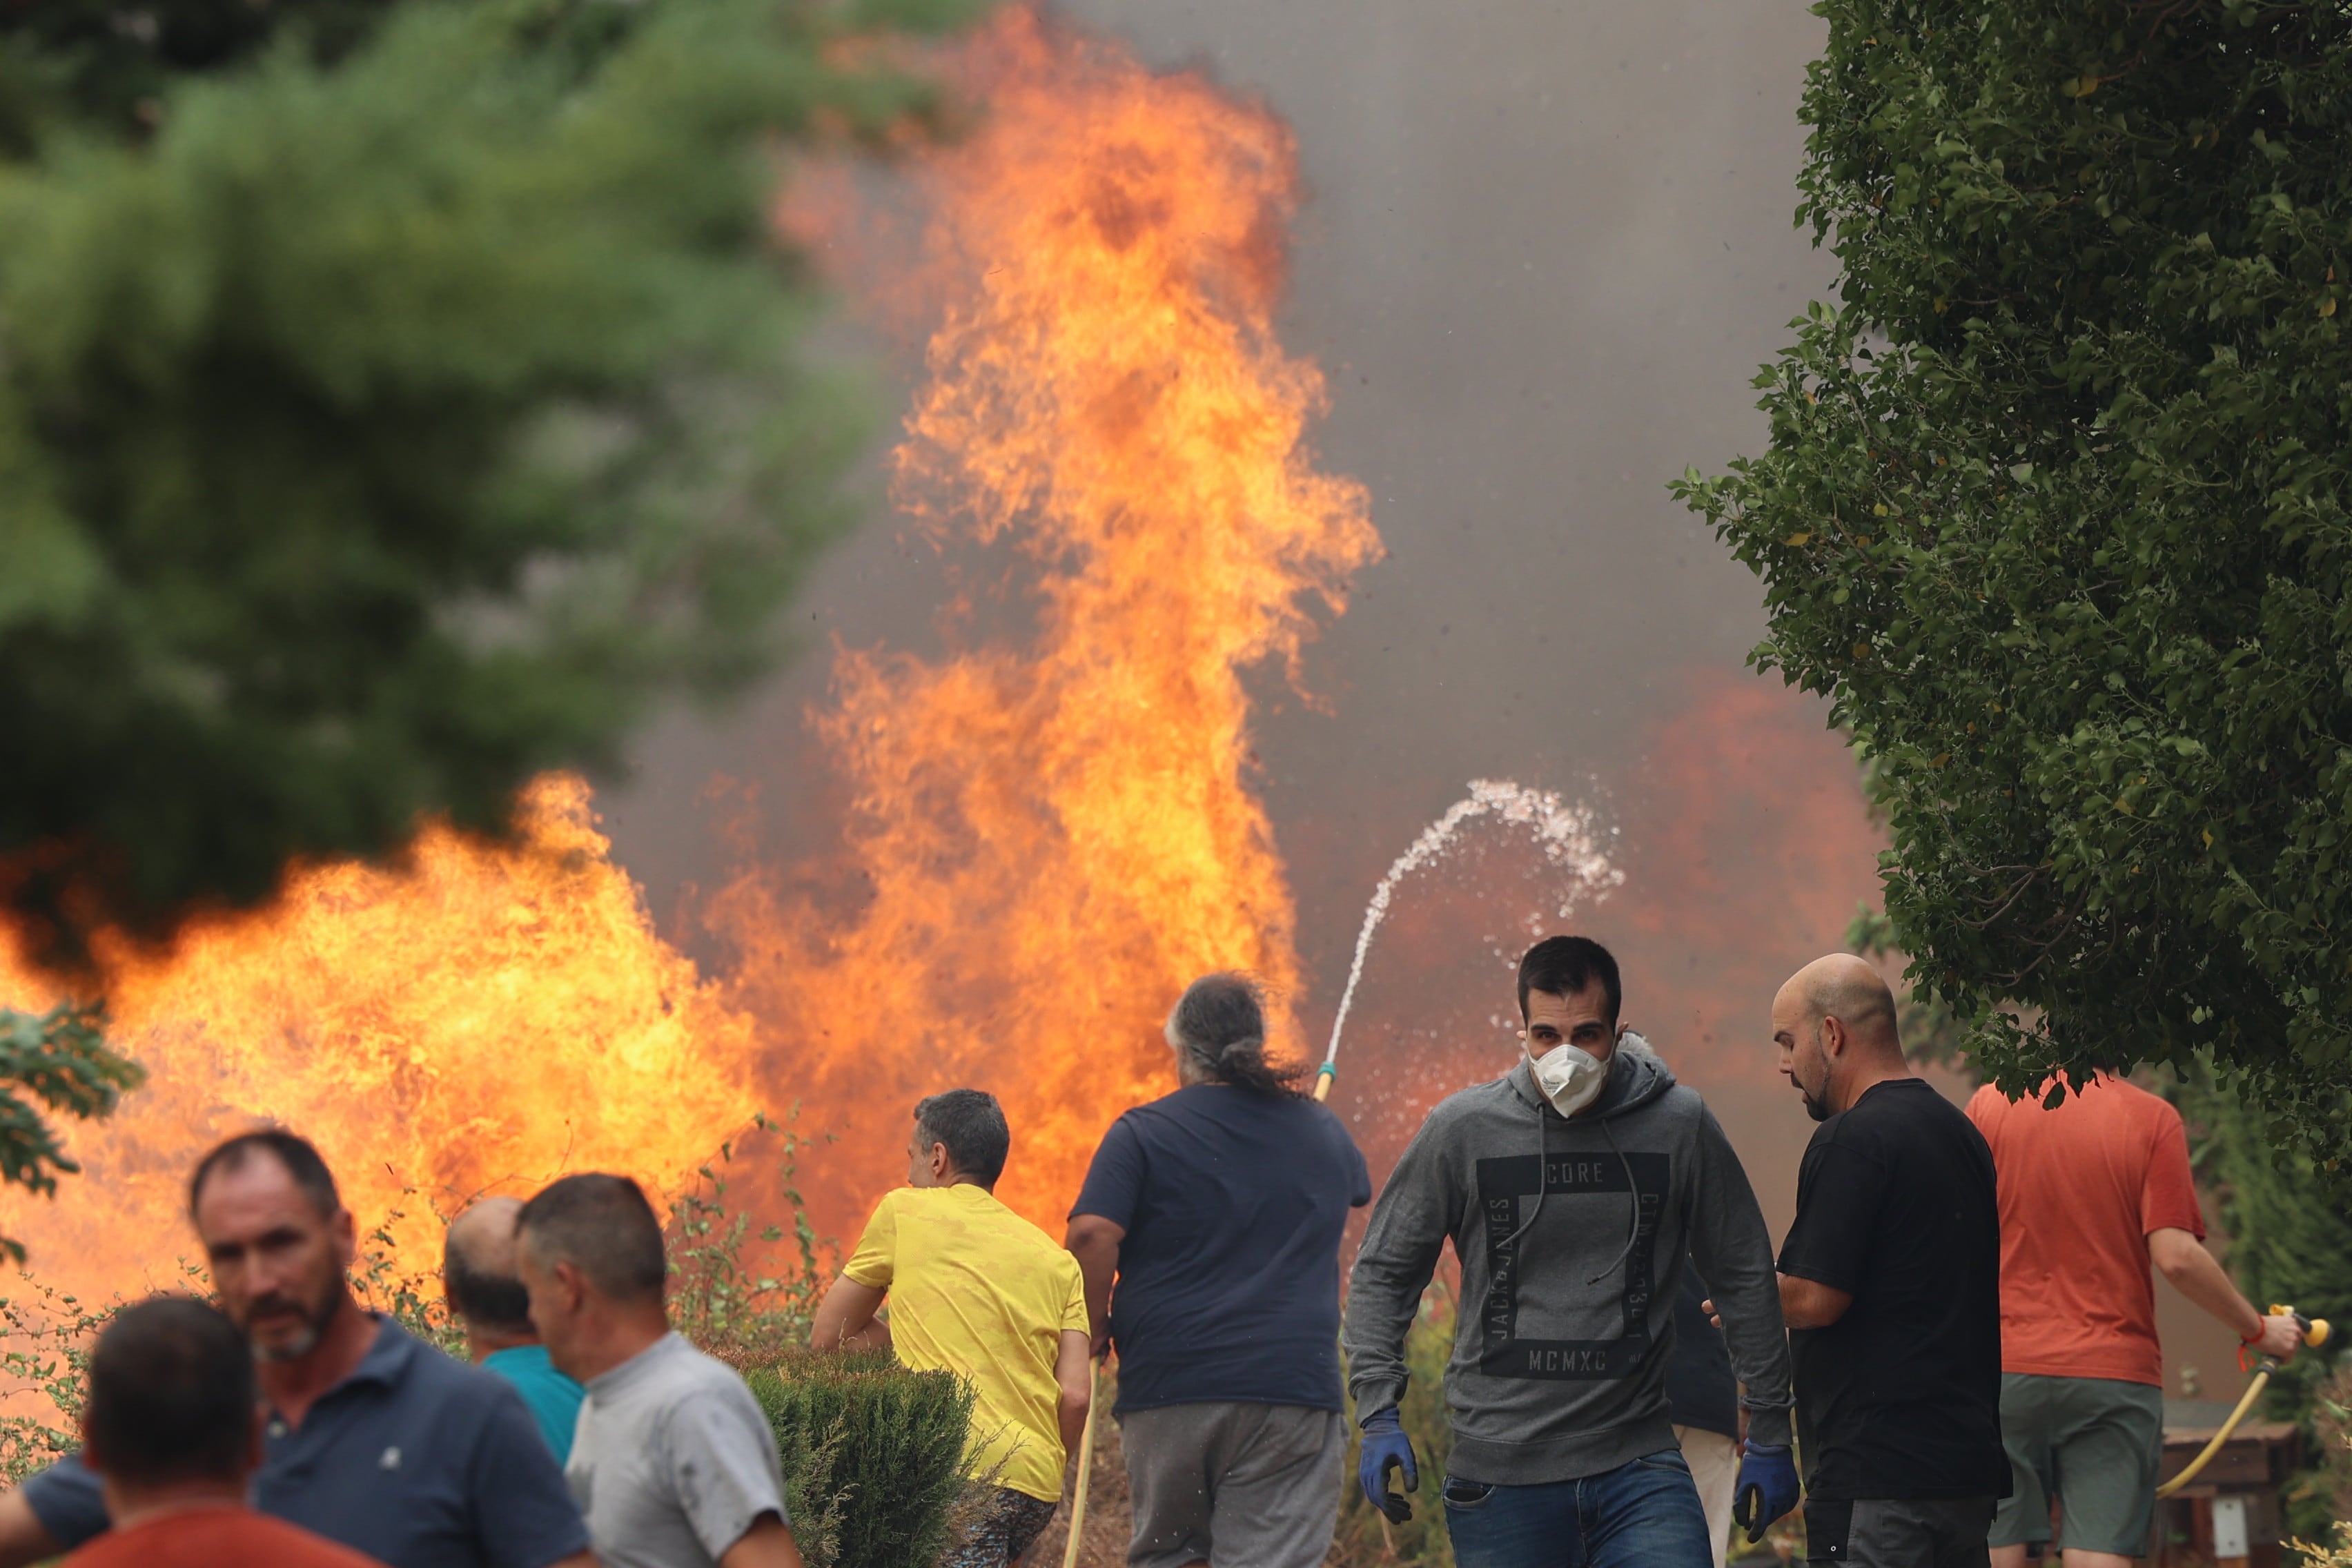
(1050, 831)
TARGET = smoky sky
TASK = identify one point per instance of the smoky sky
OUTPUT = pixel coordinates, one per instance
(1543, 250)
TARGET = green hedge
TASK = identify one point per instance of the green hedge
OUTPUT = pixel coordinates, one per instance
(873, 1455)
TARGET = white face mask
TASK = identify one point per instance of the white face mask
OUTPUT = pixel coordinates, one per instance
(1570, 1077)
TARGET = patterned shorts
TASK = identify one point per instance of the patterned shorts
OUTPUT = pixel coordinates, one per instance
(1010, 1523)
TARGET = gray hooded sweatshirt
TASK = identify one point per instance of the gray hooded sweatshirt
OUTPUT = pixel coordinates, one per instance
(1567, 1282)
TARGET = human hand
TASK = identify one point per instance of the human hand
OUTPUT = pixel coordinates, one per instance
(2280, 1338)
(1711, 1315)
(1766, 1490)
(1386, 1447)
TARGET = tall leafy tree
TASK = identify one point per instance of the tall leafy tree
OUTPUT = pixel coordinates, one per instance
(2054, 511)
(394, 400)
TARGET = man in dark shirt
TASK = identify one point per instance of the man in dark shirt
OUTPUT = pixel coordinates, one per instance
(373, 1438)
(1219, 1208)
(1890, 1282)
(168, 1425)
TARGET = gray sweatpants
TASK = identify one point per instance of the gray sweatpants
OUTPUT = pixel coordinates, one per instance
(1898, 1533)
(1232, 1485)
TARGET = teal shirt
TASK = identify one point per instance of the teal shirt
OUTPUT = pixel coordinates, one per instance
(554, 1399)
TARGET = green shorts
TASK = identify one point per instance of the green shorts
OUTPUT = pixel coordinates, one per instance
(2092, 1444)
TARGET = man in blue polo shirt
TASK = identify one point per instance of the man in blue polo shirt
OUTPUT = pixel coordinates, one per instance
(374, 1439)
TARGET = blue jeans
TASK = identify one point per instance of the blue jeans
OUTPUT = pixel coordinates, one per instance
(1643, 1514)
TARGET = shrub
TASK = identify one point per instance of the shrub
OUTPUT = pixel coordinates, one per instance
(1364, 1535)
(873, 1455)
(45, 1352)
(719, 1299)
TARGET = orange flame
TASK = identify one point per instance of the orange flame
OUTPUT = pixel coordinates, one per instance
(1047, 838)
(1058, 835)
(486, 1019)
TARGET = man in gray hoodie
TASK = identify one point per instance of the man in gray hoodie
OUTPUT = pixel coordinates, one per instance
(1572, 1188)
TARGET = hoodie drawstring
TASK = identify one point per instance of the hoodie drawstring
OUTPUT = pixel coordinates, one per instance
(1633, 1234)
(1633, 1231)
(1542, 1134)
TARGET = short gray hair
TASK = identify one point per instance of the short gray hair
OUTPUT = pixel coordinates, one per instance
(602, 1225)
(1219, 1024)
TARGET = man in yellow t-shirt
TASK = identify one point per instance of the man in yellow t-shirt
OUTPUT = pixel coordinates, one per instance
(977, 1289)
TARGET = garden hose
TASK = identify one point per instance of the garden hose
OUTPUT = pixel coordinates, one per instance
(1085, 1469)
(2315, 1333)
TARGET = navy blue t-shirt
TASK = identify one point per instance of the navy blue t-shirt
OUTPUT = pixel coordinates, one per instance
(415, 1459)
(1228, 1284)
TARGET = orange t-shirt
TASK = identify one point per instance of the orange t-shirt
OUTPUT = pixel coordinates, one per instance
(209, 1537)
(2081, 1187)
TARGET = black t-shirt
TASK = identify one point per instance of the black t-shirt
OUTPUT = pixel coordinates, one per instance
(1901, 1396)
(1228, 1284)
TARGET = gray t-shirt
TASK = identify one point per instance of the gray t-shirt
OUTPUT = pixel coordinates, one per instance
(672, 1460)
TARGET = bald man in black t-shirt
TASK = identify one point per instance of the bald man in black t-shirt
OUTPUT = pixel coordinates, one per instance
(1890, 1282)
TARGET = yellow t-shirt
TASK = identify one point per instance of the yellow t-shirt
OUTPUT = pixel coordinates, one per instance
(976, 1289)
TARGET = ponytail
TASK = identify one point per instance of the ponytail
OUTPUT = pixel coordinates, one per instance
(1220, 1024)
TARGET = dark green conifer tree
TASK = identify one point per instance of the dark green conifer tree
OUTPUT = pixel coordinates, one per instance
(394, 400)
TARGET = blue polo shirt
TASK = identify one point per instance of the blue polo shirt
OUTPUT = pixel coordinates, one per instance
(415, 1459)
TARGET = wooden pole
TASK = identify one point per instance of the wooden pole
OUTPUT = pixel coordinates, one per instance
(1086, 1472)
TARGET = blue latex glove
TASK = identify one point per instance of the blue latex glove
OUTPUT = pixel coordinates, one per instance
(1766, 1487)
(1386, 1447)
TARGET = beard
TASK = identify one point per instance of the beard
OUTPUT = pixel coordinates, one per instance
(1819, 1109)
(301, 1342)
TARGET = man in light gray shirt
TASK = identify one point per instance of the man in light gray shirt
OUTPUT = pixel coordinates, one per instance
(673, 1462)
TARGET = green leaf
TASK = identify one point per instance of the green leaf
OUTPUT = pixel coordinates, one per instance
(2083, 362)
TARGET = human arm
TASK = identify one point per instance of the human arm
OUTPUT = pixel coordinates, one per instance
(1826, 1253)
(23, 1539)
(1732, 1251)
(1095, 1241)
(768, 1543)
(716, 1455)
(845, 1319)
(1073, 1369)
(2197, 1274)
(1810, 1304)
(57, 1509)
(2175, 1226)
(1102, 1216)
(1804, 1304)
(1411, 1222)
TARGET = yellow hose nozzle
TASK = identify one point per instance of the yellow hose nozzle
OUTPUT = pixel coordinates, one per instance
(2315, 1331)
(1323, 1076)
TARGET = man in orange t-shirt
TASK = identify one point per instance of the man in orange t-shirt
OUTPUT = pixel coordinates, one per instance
(172, 1427)
(2093, 1190)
